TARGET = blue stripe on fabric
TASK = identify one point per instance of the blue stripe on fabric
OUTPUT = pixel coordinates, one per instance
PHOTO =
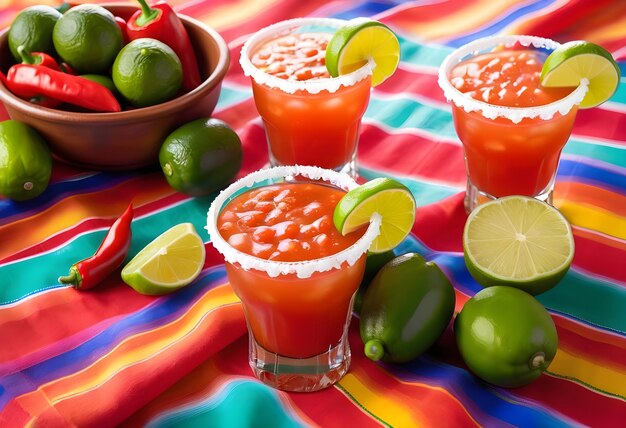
(606, 177)
(499, 23)
(164, 310)
(60, 189)
(491, 401)
(239, 404)
(230, 96)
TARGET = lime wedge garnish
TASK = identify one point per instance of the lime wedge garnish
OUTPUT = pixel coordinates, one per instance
(392, 200)
(360, 40)
(518, 241)
(573, 61)
(173, 260)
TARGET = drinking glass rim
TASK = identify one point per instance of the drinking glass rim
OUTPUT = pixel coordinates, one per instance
(491, 111)
(305, 268)
(313, 86)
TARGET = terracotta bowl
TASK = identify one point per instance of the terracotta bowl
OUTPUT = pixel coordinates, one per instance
(128, 139)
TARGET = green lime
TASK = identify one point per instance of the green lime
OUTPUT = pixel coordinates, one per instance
(25, 161)
(405, 310)
(88, 38)
(172, 260)
(505, 336)
(573, 61)
(147, 72)
(32, 28)
(201, 156)
(518, 241)
(392, 200)
(359, 41)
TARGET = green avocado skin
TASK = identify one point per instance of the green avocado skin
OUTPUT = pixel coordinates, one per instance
(407, 307)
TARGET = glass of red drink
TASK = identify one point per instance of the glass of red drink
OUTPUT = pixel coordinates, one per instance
(310, 118)
(512, 129)
(295, 274)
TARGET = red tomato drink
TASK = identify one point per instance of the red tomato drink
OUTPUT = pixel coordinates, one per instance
(309, 117)
(291, 222)
(512, 129)
(295, 274)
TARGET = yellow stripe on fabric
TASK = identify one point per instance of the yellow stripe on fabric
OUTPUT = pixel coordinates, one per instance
(577, 369)
(139, 347)
(234, 13)
(593, 218)
(388, 410)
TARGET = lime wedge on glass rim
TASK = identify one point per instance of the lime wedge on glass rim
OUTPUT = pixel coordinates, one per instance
(359, 41)
(573, 61)
(172, 260)
(519, 242)
(392, 200)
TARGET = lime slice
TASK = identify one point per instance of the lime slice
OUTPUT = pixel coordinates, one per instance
(573, 61)
(518, 241)
(173, 260)
(392, 200)
(360, 40)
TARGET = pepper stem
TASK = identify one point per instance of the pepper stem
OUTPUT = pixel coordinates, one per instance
(147, 14)
(537, 361)
(72, 278)
(374, 349)
(27, 57)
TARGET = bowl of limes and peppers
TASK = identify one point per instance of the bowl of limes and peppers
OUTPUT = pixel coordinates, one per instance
(86, 82)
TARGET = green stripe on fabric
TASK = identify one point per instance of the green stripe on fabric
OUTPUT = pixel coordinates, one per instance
(592, 300)
(401, 112)
(230, 96)
(425, 193)
(40, 273)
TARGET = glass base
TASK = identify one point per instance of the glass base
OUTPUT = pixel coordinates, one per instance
(300, 374)
(349, 168)
(475, 197)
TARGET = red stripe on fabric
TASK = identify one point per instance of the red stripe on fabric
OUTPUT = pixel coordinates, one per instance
(440, 226)
(27, 327)
(599, 259)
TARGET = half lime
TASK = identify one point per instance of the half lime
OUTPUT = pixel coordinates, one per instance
(392, 200)
(518, 241)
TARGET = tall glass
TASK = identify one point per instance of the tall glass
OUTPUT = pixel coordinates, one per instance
(509, 150)
(298, 312)
(308, 122)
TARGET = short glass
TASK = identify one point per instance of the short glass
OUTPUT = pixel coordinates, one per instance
(297, 313)
(310, 122)
(509, 150)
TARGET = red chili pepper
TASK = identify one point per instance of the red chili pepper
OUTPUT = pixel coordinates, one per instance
(29, 81)
(66, 68)
(161, 22)
(122, 24)
(112, 251)
(37, 58)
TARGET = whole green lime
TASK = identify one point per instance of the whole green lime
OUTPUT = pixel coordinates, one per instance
(88, 38)
(201, 157)
(505, 336)
(147, 72)
(32, 28)
(25, 161)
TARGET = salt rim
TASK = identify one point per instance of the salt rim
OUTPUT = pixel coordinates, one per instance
(290, 86)
(303, 269)
(490, 111)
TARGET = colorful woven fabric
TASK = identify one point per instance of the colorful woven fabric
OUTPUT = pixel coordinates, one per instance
(111, 356)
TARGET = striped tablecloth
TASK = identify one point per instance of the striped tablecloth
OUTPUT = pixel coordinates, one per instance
(114, 357)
